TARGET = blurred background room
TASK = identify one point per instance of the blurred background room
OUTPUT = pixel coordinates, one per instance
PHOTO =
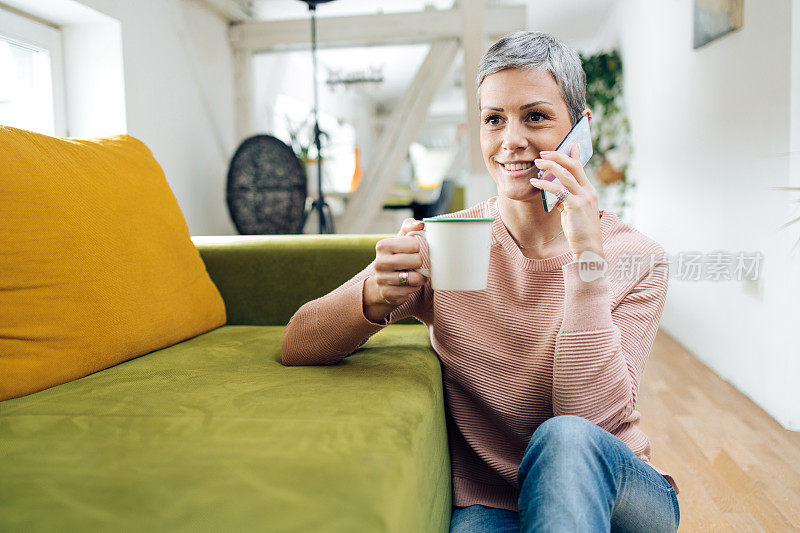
(696, 134)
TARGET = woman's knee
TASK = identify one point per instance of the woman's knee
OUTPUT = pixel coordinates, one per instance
(570, 438)
(565, 440)
(564, 429)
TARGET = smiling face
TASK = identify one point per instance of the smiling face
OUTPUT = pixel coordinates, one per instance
(522, 113)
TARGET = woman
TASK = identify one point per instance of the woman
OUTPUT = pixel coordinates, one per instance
(541, 369)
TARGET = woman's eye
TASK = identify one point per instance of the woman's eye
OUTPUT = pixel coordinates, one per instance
(494, 120)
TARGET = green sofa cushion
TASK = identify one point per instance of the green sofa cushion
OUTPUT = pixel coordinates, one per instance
(215, 434)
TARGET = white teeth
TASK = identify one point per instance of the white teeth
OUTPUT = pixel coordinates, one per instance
(517, 166)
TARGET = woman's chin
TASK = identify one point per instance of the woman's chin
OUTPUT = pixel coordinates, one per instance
(519, 191)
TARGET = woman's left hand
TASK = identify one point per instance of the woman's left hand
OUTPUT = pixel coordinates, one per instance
(579, 210)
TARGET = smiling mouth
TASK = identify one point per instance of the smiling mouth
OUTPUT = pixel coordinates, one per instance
(524, 165)
(518, 170)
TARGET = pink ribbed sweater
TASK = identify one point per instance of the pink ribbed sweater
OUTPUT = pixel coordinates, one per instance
(536, 343)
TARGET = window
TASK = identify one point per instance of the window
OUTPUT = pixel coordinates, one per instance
(31, 75)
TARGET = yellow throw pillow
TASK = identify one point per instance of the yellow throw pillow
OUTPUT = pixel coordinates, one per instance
(96, 263)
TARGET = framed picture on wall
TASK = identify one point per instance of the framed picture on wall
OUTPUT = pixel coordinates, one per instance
(715, 18)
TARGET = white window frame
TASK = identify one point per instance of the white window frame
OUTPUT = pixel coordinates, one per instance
(32, 33)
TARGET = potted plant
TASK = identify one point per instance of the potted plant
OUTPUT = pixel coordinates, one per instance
(301, 138)
(610, 127)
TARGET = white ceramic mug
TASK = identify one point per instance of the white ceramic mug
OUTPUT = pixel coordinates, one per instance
(458, 249)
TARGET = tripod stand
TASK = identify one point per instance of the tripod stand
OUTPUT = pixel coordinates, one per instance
(319, 205)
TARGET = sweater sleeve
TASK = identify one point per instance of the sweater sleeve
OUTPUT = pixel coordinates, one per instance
(600, 354)
(326, 330)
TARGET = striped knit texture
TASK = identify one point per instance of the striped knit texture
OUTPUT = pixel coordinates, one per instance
(538, 342)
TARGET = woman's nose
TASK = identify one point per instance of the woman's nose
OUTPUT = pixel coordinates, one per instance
(514, 137)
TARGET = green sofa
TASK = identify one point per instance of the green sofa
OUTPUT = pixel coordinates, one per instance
(215, 434)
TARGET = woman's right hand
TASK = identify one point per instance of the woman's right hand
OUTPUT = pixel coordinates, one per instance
(382, 291)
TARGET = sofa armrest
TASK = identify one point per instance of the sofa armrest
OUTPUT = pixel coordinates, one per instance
(264, 279)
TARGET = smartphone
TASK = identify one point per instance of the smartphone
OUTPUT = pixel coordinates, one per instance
(580, 135)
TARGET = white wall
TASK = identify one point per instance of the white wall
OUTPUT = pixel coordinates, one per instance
(179, 98)
(711, 131)
(94, 78)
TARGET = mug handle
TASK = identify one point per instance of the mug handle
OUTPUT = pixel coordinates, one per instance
(424, 271)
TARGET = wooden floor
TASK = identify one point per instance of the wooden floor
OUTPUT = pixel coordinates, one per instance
(736, 467)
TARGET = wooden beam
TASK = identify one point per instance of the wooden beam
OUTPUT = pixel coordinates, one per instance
(371, 30)
(475, 43)
(232, 10)
(403, 128)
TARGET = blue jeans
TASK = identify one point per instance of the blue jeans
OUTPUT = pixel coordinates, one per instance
(576, 476)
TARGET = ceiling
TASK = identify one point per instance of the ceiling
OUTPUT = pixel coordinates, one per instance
(292, 9)
(579, 23)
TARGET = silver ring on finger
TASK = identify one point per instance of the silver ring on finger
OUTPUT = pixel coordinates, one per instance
(403, 278)
(562, 194)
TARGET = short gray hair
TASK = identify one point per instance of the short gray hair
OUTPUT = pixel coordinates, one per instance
(537, 50)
